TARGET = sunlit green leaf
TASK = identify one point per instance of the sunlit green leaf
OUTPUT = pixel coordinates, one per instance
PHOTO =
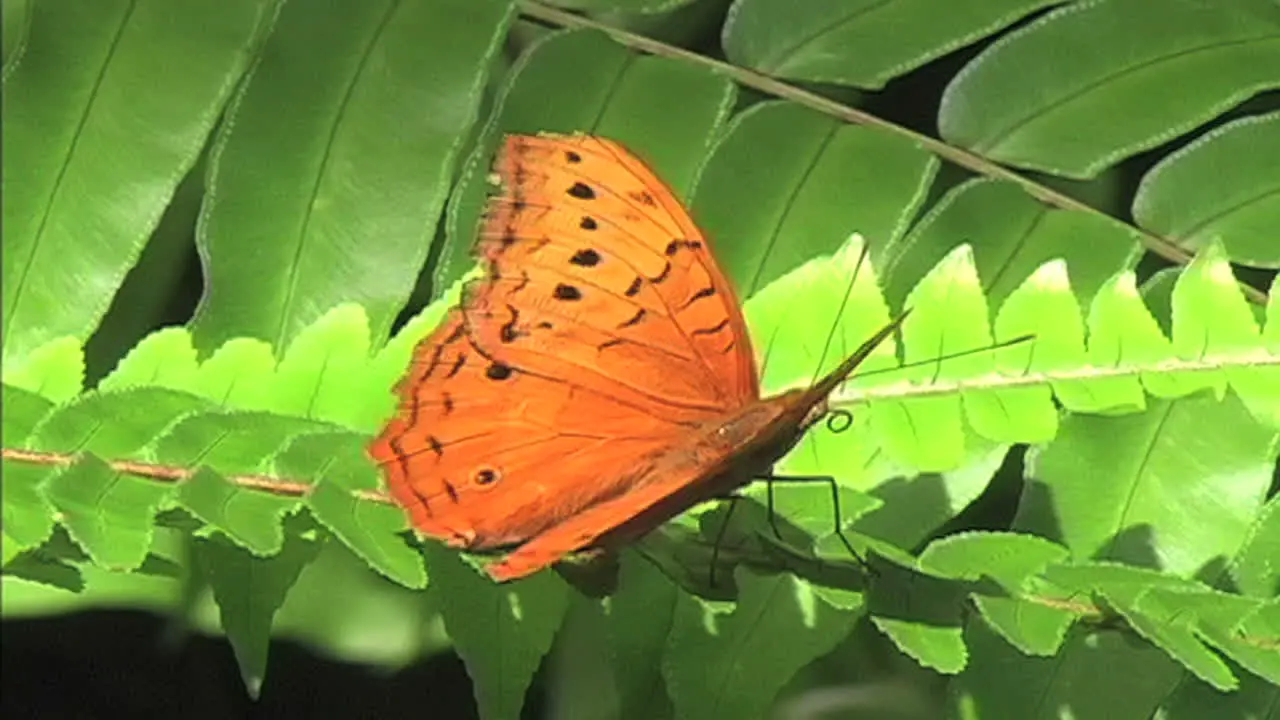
(55, 370)
(164, 359)
(239, 374)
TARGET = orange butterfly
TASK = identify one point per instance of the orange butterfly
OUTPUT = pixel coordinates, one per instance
(596, 382)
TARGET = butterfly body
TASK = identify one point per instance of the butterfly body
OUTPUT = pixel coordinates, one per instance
(596, 381)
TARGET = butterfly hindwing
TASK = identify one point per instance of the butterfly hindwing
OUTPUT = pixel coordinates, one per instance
(479, 454)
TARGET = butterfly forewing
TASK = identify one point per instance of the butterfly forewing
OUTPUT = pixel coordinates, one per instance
(585, 232)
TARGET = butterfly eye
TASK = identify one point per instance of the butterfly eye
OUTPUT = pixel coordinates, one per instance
(486, 476)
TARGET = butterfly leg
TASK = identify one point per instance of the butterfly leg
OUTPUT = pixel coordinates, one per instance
(773, 516)
(838, 528)
(715, 545)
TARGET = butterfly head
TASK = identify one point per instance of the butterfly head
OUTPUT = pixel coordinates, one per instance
(764, 431)
(817, 411)
(774, 425)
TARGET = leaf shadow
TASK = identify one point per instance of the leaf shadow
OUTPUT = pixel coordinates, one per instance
(1135, 545)
(914, 506)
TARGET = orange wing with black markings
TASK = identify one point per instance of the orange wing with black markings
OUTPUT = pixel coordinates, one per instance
(600, 336)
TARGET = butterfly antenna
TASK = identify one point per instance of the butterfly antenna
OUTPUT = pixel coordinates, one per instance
(768, 349)
(823, 387)
(950, 356)
(835, 327)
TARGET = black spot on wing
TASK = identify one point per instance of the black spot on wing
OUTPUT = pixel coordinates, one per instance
(524, 281)
(415, 407)
(585, 258)
(634, 320)
(713, 329)
(705, 292)
(508, 332)
(564, 291)
(679, 244)
(644, 197)
(457, 366)
(402, 459)
(434, 362)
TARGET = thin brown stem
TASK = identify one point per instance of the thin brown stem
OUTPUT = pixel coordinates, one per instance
(172, 473)
(1162, 246)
